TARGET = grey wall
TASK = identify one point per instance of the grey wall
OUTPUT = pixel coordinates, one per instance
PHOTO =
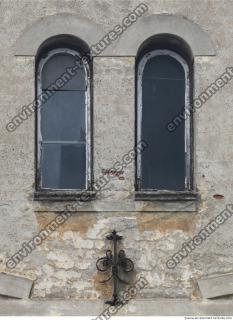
(64, 265)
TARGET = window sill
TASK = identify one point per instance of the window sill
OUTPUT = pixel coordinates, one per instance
(48, 195)
(166, 196)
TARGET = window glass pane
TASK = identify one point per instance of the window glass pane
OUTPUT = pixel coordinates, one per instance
(163, 67)
(63, 166)
(63, 116)
(55, 68)
(163, 97)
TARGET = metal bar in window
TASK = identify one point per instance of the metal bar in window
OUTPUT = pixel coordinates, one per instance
(64, 142)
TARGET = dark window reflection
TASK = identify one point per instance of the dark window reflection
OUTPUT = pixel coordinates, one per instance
(63, 165)
(63, 127)
(163, 97)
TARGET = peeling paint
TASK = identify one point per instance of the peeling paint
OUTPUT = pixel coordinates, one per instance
(165, 224)
(80, 222)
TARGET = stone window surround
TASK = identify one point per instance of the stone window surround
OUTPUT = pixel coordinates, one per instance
(126, 45)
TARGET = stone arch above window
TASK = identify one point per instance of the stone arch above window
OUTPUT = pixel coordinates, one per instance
(52, 26)
(145, 27)
(127, 44)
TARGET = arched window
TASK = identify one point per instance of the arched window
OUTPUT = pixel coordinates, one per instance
(63, 120)
(163, 93)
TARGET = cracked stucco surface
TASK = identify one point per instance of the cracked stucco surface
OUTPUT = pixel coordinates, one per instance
(64, 265)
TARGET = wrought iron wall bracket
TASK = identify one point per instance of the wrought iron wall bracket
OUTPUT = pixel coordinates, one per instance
(114, 262)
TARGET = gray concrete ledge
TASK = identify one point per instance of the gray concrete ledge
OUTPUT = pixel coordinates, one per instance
(123, 206)
(216, 286)
(135, 307)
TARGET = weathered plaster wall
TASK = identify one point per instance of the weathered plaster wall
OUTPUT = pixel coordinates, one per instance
(64, 265)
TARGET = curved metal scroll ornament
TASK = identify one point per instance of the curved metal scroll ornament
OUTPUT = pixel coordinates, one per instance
(114, 262)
